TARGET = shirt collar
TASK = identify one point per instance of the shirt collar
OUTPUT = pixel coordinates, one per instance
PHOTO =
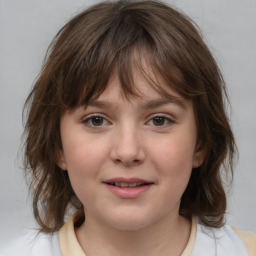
(70, 246)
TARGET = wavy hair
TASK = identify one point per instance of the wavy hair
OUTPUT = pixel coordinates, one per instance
(79, 63)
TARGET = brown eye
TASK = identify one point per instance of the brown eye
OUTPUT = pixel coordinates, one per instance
(159, 121)
(97, 120)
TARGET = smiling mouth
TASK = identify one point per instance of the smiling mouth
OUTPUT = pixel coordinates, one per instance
(121, 182)
(128, 188)
(127, 185)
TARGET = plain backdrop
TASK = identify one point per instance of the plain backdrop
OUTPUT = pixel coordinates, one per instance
(28, 26)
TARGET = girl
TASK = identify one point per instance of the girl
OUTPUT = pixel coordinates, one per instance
(127, 132)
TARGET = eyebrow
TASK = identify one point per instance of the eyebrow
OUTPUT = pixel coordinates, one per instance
(100, 104)
(147, 105)
(151, 104)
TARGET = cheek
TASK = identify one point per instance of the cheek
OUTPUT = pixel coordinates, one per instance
(174, 156)
(84, 154)
(84, 162)
(175, 166)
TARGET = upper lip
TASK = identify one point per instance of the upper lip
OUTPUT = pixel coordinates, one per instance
(127, 180)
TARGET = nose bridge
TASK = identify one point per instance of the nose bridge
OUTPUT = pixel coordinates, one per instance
(128, 144)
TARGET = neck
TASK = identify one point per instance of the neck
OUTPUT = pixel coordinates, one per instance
(166, 237)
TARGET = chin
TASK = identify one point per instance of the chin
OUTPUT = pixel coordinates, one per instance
(129, 221)
(129, 225)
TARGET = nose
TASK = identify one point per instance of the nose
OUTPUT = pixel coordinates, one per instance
(127, 146)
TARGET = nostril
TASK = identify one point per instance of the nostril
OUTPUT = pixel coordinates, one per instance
(127, 154)
(128, 163)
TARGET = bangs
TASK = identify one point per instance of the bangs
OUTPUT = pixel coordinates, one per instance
(126, 39)
(92, 75)
(89, 51)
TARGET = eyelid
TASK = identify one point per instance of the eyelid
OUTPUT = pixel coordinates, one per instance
(164, 115)
(88, 117)
(167, 117)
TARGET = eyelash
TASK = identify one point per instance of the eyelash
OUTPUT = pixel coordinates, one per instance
(167, 120)
(88, 121)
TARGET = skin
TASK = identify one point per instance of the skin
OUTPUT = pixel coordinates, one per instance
(115, 137)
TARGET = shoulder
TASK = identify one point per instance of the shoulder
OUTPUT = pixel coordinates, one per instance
(219, 241)
(33, 244)
(249, 239)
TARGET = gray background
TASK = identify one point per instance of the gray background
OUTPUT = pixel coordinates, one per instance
(26, 29)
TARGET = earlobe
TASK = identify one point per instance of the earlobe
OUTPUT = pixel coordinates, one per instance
(198, 160)
(199, 156)
(61, 162)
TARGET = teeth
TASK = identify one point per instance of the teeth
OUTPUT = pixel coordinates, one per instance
(126, 185)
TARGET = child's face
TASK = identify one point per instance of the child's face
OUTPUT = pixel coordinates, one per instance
(129, 162)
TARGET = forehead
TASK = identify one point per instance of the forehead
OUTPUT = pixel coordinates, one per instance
(142, 78)
(142, 74)
(146, 93)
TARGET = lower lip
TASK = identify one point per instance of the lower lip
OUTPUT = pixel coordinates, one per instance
(128, 192)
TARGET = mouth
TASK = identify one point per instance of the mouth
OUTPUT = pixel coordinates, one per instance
(128, 185)
(128, 182)
(128, 188)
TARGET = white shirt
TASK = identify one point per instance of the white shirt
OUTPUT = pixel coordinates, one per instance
(203, 241)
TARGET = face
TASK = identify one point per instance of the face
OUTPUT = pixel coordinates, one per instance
(129, 162)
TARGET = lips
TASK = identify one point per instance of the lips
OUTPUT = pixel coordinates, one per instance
(127, 182)
(127, 185)
(128, 188)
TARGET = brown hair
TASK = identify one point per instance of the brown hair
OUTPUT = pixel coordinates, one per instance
(80, 61)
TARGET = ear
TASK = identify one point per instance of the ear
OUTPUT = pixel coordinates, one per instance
(61, 162)
(199, 155)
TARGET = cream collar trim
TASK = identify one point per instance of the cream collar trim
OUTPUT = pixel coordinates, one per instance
(69, 245)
